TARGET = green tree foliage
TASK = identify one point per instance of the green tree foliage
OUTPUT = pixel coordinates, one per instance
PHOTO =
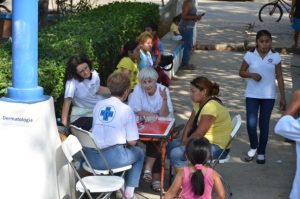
(98, 33)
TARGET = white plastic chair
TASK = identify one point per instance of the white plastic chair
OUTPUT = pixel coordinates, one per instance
(236, 124)
(86, 139)
(104, 185)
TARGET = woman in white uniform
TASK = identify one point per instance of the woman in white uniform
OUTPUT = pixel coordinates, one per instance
(82, 91)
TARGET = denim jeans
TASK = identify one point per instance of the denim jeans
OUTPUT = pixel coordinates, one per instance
(187, 35)
(119, 156)
(265, 107)
(176, 153)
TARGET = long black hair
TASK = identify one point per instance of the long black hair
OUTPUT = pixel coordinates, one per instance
(129, 46)
(198, 151)
(72, 64)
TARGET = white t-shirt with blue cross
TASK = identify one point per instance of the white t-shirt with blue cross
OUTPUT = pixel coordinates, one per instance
(113, 123)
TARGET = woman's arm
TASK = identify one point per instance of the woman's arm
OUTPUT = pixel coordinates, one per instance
(244, 72)
(293, 8)
(280, 82)
(295, 104)
(173, 190)
(218, 186)
(164, 110)
(186, 7)
(188, 127)
(65, 111)
(206, 121)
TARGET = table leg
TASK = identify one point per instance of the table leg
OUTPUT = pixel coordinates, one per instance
(163, 159)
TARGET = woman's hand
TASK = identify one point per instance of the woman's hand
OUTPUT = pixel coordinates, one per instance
(163, 94)
(255, 76)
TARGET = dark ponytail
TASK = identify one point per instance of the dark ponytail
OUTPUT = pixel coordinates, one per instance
(198, 185)
(129, 46)
(198, 152)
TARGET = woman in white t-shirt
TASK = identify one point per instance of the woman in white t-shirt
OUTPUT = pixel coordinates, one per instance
(261, 67)
(82, 91)
(150, 98)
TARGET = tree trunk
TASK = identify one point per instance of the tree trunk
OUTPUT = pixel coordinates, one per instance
(43, 13)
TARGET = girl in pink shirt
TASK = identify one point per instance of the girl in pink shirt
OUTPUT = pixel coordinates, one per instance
(197, 180)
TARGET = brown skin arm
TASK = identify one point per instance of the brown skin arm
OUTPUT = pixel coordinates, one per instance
(293, 8)
(244, 72)
(280, 82)
(186, 7)
(218, 186)
(206, 121)
(295, 104)
(188, 125)
(173, 190)
(65, 111)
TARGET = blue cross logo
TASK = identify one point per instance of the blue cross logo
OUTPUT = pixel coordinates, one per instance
(107, 114)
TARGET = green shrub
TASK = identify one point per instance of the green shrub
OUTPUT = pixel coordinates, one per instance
(98, 33)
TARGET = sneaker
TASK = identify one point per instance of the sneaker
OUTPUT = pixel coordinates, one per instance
(250, 155)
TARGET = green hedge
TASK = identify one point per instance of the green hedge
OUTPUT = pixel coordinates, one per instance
(98, 33)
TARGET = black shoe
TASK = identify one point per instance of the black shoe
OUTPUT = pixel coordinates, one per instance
(260, 161)
(248, 158)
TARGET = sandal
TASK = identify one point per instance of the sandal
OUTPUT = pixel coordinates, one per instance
(155, 185)
(147, 177)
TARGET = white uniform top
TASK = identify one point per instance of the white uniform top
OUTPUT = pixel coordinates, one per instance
(84, 93)
(113, 123)
(139, 100)
(266, 87)
(289, 127)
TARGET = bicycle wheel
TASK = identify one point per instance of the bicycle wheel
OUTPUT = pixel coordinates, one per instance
(270, 12)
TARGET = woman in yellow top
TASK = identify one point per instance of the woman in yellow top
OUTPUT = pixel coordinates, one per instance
(127, 61)
(209, 119)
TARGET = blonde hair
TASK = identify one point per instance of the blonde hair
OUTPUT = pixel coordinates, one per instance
(142, 38)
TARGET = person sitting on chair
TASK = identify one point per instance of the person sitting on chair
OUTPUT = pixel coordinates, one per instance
(209, 118)
(150, 98)
(82, 90)
(116, 134)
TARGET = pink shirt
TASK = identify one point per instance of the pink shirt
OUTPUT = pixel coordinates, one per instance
(187, 192)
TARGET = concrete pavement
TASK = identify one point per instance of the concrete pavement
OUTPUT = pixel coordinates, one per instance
(225, 31)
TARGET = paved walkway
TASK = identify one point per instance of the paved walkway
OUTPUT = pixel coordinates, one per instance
(232, 26)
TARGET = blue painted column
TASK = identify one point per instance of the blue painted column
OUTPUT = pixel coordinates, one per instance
(25, 53)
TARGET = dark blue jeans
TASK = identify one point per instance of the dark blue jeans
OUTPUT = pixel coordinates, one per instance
(187, 35)
(258, 110)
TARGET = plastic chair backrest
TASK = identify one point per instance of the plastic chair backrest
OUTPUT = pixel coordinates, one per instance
(236, 124)
(86, 140)
(85, 137)
(70, 147)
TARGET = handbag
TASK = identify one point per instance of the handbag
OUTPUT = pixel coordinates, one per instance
(195, 125)
(166, 62)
